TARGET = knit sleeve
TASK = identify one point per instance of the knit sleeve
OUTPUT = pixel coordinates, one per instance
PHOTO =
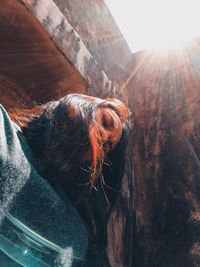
(30, 199)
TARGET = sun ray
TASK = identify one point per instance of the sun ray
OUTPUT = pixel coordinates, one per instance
(156, 24)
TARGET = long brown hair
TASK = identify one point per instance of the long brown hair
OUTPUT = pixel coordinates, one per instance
(72, 117)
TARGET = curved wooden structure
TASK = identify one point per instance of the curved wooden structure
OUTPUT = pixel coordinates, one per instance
(32, 66)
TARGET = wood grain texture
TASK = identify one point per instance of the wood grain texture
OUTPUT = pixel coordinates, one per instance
(30, 57)
(164, 96)
(99, 31)
(59, 19)
(156, 220)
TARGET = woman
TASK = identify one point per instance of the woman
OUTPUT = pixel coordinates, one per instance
(78, 143)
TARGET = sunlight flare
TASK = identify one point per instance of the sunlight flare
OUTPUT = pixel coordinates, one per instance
(156, 23)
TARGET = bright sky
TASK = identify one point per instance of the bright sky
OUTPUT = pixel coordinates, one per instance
(156, 23)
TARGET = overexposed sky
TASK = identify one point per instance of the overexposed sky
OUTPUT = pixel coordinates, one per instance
(156, 23)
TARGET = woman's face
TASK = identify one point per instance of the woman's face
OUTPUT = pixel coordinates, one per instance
(110, 127)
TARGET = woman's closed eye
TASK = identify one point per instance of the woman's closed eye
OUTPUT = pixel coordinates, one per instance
(107, 121)
(110, 128)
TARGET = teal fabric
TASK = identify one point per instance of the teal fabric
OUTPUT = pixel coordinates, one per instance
(30, 198)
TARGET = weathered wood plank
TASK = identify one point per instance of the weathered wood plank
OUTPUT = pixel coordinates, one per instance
(30, 57)
(164, 96)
